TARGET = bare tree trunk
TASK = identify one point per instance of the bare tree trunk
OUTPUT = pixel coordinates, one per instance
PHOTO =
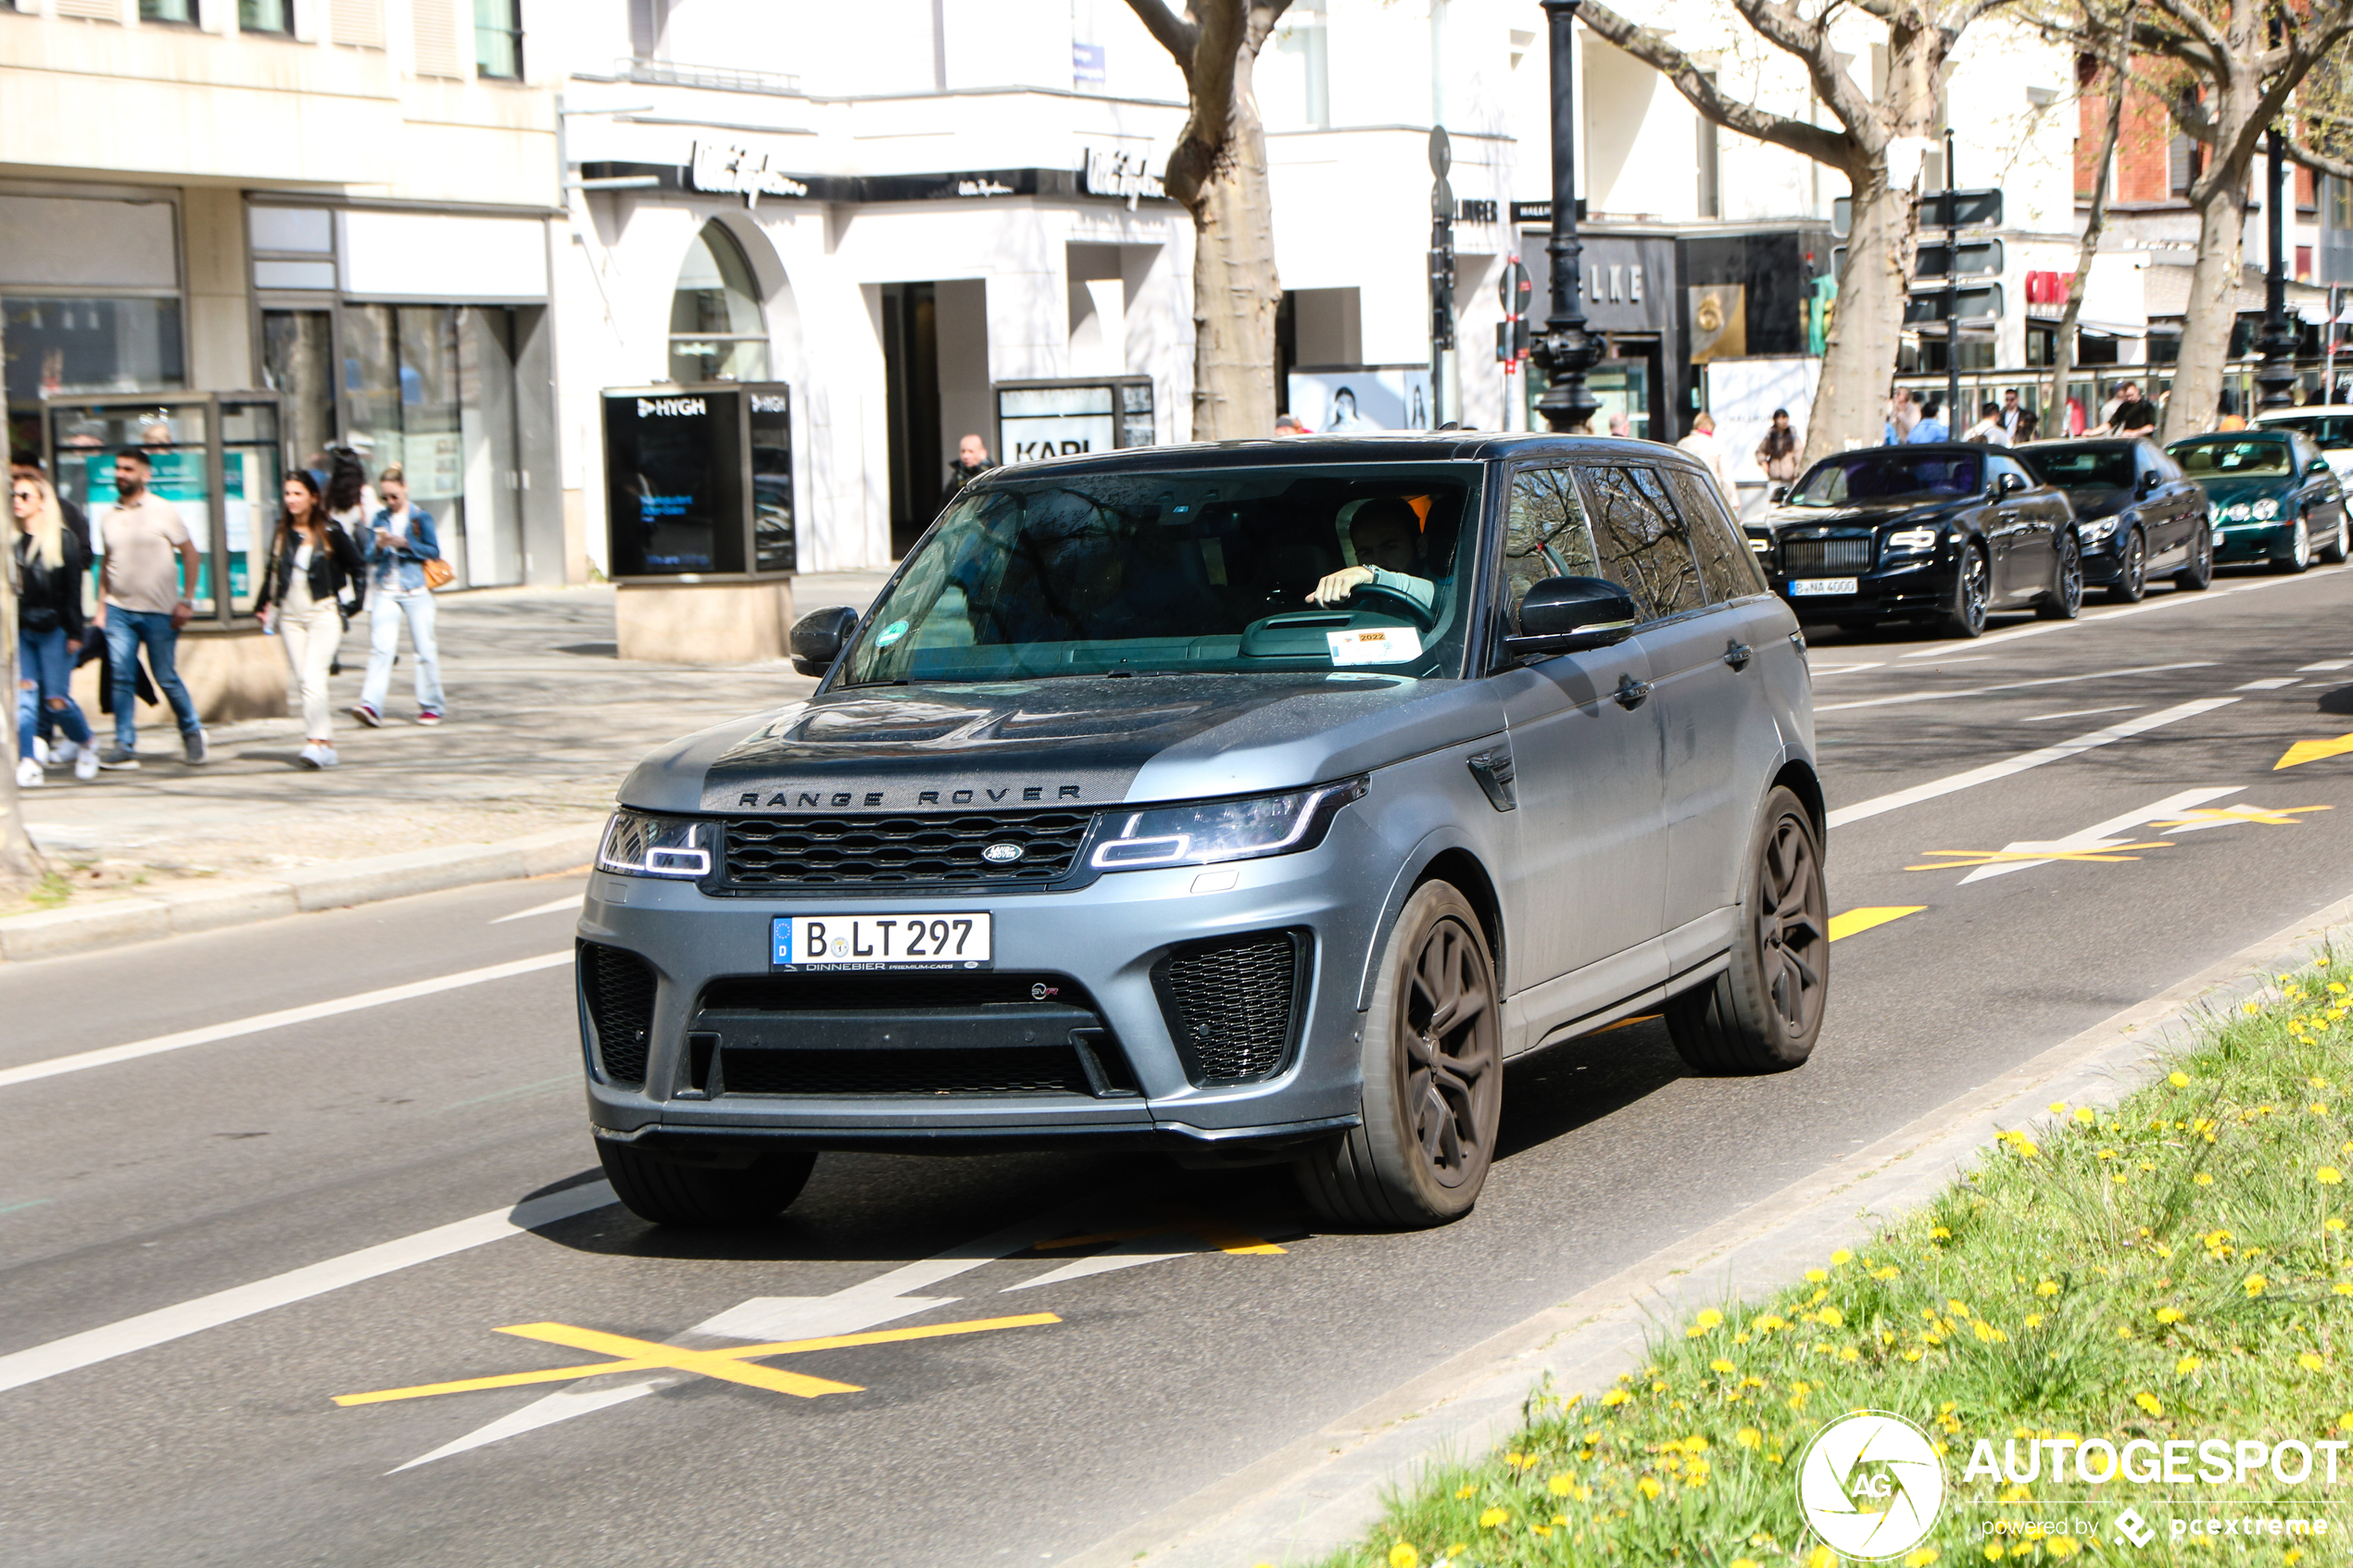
(19, 862)
(1236, 290)
(2063, 362)
(2213, 306)
(1859, 358)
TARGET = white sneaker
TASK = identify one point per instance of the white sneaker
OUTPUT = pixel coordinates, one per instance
(317, 756)
(85, 764)
(65, 751)
(28, 774)
(41, 751)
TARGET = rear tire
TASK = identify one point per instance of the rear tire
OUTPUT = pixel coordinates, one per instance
(2131, 570)
(697, 1197)
(1433, 1069)
(2198, 575)
(2339, 544)
(1972, 584)
(1765, 1011)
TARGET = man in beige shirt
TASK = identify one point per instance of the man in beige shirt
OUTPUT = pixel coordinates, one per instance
(144, 603)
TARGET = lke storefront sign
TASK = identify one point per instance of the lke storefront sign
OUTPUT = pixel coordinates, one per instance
(728, 169)
(1128, 176)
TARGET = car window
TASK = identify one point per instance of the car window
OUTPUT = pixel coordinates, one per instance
(2083, 467)
(2226, 458)
(1886, 475)
(1544, 535)
(1726, 568)
(1996, 466)
(1640, 538)
(2305, 452)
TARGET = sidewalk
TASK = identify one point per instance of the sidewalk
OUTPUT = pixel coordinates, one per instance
(544, 722)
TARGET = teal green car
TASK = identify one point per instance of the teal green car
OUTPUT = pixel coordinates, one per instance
(2274, 499)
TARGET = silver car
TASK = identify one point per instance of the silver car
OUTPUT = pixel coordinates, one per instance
(1254, 802)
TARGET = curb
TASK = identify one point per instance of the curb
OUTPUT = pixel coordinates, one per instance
(1319, 1493)
(210, 906)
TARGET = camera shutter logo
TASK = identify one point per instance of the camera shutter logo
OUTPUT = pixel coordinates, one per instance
(1871, 1484)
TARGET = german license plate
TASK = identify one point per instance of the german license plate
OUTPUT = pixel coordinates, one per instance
(1810, 587)
(952, 941)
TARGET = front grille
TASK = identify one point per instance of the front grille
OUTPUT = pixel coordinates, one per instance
(1826, 554)
(1232, 1004)
(887, 992)
(940, 849)
(620, 988)
(1004, 1069)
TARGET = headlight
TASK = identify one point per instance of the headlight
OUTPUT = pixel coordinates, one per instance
(2238, 511)
(639, 844)
(1911, 541)
(2266, 511)
(1761, 543)
(2097, 529)
(1220, 830)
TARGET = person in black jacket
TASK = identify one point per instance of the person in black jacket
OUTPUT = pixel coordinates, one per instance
(50, 566)
(313, 563)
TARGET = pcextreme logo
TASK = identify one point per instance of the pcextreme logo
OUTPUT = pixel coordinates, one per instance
(1871, 1484)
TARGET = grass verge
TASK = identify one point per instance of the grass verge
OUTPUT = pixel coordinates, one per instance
(2173, 1269)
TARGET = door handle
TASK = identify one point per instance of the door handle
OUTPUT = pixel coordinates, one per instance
(1737, 655)
(1631, 694)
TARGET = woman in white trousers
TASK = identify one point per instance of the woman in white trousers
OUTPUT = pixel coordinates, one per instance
(311, 561)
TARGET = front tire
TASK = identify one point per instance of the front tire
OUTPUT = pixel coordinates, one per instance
(2131, 582)
(696, 1196)
(2065, 600)
(1433, 1067)
(2198, 574)
(1972, 583)
(2300, 550)
(1763, 1012)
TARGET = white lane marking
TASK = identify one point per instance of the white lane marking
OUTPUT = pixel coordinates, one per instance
(106, 1055)
(2083, 712)
(553, 906)
(2103, 835)
(2023, 761)
(1133, 1253)
(2276, 682)
(2146, 607)
(1848, 669)
(167, 1324)
(766, 1318)
(2012, 685)
(2325, 664)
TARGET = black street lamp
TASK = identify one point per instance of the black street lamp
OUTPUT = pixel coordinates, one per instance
(2277, 341)
(1565, 349)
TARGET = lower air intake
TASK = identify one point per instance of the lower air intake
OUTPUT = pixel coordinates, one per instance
(1233, 1004)
(620, 989)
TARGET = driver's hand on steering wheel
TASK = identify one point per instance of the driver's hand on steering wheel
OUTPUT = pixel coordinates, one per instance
(1337, 586)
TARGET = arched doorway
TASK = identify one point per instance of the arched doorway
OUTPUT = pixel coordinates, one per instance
(718, 330)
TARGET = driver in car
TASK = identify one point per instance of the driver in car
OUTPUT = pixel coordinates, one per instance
(1387, 534)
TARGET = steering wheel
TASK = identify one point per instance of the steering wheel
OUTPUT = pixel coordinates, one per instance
(1424, 617)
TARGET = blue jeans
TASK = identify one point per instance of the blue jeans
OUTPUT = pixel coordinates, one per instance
(127, 631)
(44, 671)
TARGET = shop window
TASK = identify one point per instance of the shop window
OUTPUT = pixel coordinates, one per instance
(264, 16)
(498, 39)
(297, 362)
(168, 11)
(79, 344)
(717, 330)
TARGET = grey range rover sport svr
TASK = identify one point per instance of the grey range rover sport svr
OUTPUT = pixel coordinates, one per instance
(1256, 802)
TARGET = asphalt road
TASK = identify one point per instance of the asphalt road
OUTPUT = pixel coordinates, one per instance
(1187, 1325)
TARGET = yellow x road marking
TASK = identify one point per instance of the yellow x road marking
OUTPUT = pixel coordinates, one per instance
(1997, 856)
(2272, 816)
(2305, 751)
(732, 1364)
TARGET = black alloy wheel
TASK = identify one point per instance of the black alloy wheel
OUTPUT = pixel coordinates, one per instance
(2131, 582)
(2064, 600)
(2198, 574)
(703, 1196)
(2340, 543)
(1763, 1014)
(2300, 550)
(1433, 1068)
(1972, 583)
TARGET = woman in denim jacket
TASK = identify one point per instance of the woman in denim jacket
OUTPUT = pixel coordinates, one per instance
(401, 540)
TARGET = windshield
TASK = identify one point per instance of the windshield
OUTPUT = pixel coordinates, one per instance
(2233, 459)
(1156, 573)
(2333, 431)
(1890, 474)
(2084, 467)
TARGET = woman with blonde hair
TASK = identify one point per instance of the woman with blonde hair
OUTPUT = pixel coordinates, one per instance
(312, 561)
(50, 566)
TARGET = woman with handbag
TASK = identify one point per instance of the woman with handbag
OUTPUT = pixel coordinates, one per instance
(311, 562)
(404, 568)
(50, 631)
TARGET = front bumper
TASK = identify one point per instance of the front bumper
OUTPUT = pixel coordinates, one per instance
(1101, 943)
(2241, 544)
(1914, 587)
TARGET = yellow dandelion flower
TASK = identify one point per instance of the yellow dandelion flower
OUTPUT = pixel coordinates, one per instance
(1830, 1317)
(2331, 1224)
(2148, 1402)
(2179, 1080)
(1649, 1485)
(1850, 1354)
(1709, 1317)
(2058, 1108)
(2328, 1176)
(2169, 1315)
(1748, 1437)
(1403, 1555)
(1461, 1492)
(2204, 1178)
(1821, 1557)
(2310, 1362)
(2254, 1284)
(2341, 1287)
(2124, 1331)
(1720, 1365)
(1490, 1518)
(2048, 1287)
(1615, 1396)
(1840, 1258)
(2086, 1115)
(1919, 1557)
(2319, 1108)
(1815, 1276)
(1940, 1233)
(2061, 1547)
(1561, 1486)
(1744, 1563)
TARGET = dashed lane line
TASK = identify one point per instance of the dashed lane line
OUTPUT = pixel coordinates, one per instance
(167, 1324)
(553, 906)
(1901, 697)
(106, 1055)
(2146, 607)
(1954, 782)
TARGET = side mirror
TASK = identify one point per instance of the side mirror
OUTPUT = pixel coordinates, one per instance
(2008, 483)
(2148, 481)
(819, 637)
(1571, 615)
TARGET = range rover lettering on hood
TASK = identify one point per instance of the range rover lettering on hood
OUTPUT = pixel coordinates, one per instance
(974, 748)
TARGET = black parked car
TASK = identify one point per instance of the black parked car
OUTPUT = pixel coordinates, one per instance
(1941, 531)
(2136, 512)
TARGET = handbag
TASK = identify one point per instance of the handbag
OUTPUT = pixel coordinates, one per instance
(438, 573)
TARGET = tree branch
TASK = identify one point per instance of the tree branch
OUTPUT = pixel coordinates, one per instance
(1264, 15)
(2319, 162)
(1647, 45)
(1177, 35)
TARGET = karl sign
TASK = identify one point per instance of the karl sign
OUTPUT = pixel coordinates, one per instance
(730, 168)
